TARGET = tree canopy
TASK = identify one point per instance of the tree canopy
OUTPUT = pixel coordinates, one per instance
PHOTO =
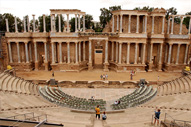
(146, 8)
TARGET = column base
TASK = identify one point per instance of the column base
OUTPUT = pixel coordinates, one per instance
(160, 67)
(46, 66)
(90, 67)
(36, 66)
(106, 67)
(150, 66)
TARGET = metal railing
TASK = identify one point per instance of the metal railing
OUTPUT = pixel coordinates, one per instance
(22, 115)
(170, 121)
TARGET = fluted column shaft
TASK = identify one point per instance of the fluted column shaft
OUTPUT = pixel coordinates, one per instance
(144, 47)
(76, 48)
(136, 45)
(84, 51)
(128, 52)
(182, 18)
(117, 23)
(26, 51)
(160, 55)
(166, 52)
(45, 52)
(172, 26)
(33, 23)
(151, 52)
(186, 54)
(177, 55)
(79, 51)
(83, 23)
(53, 60)
(106, 51)
(129, 24)
(7, 25)
(113, 23)
(116, 56)
(112, 51)
(60, 51)
(145, 23)
(44, 24)
(59, 22)
(28, 24)
(90, 51)
(79, 22)
(168, 29)
(120, 47)
(10, 53)
(189, 26)
(163, 22)
(68, 23)
(68, 51)
(18, 52)
(121, 23)
(76, 30)
(24, 24)
(16, 29)
(169, 53)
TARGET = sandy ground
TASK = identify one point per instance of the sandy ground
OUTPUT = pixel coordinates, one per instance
(95, 75)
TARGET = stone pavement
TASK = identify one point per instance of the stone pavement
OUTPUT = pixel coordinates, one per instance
(94, 75)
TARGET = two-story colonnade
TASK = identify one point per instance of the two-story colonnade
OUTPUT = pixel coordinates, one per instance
(133, 39)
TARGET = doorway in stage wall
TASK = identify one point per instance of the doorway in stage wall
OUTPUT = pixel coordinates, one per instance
(98, 56)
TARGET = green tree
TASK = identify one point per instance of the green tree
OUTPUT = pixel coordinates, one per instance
(72, 22)
(172, 11)
(57, 22)
(11, 21)
(88, 21)
(147, 8)
(187, 20)
(106, 14)
(47, 22)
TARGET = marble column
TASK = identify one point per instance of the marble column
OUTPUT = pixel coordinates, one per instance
(51, 21)
(44, 23)
(84, 51)
(30, 52)
(163, 23)
(59, 22)
(18, 52)
(16, 29)
(136, 45)
(128, 52)
(90, 51)
(120, 52)
(144, 47)
(112, 51)
(145, 23)
(117, 23)
(10, 53)
(76, 30)
(160, 55)
(106, 51)
(177, 55)
(7, 25)
(83, 23)
(45, 52)
(166, 50)
(151, 52)
(169, 53)
(182, 18)
(113, 23)
(189, 26)
(54, 23)
(53, 59)
(172, 26)
(116, 56)
(78, 22)
(28, 24)
(68, 30)
(60, 51)
(121, 23)
(79, 51)
(76, 51)
(186, 54)
(68, 51)
(129, 24)
(35, 51)
(24, 24)
(33, 23)
(137, 31)
(153, 24)
(168, 28)
(26, 51)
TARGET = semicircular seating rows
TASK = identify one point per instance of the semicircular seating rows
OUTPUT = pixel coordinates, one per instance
(57, 96)
(178, 85)
(13, 90)
(137, 97)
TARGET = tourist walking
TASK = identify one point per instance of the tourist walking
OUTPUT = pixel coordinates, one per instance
(101, 76)
(97, 109)
(106, 77)
(131, 76)
(157, 116)
(53, 74)
(104, 117)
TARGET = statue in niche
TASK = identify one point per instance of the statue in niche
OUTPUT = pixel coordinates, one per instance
(123, 61)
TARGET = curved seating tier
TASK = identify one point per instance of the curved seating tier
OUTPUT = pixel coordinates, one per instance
(57, 96)
(139, 96)
(178, 85)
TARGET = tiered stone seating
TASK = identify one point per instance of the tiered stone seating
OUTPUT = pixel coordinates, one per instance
(57, 96)
(179, 85)
(139, 96)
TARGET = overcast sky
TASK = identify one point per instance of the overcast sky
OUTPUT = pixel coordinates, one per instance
(21, 8)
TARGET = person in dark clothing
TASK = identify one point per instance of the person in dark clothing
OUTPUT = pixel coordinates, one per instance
(157, 116)
(53, 74)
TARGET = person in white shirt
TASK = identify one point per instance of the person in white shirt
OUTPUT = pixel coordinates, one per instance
(104, 117)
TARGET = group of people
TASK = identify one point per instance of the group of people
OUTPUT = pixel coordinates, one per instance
(104, 77)
(97, 109)
(132, 73)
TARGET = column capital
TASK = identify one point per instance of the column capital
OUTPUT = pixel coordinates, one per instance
(52, 42)
(76, 42)
(170, 43)
(68, 42)
(26, 42)
(120, 42)
(33, 15)
(34, 42)
(60, 42)
(43, 15)
(44, 42)
(8, 42)
(17, 42)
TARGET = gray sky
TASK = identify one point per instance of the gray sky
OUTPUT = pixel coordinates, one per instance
(21, 8)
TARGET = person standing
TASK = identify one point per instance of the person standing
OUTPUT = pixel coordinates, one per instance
(131, 76)
(101, 76)
(53, 74)
(97, 109)
(157, 116)
(106, 77)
